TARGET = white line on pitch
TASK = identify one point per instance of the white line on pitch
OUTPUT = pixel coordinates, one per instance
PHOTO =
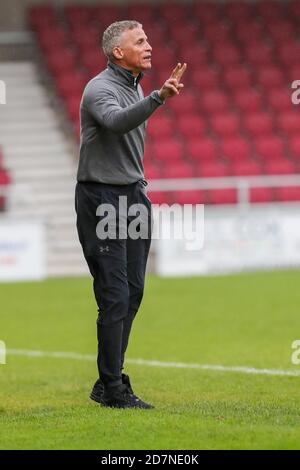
(143, 362)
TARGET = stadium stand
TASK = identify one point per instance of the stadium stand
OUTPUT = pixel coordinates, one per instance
(41, 164)
(235, 117)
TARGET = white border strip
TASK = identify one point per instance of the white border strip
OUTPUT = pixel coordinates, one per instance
(142, 362)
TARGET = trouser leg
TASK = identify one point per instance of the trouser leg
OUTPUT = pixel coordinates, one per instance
(137, 255)
(112, 295)
(107, 262)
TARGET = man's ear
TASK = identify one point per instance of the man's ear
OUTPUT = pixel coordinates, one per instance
(117, 53)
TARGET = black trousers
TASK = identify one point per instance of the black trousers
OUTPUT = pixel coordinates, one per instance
(117, 265)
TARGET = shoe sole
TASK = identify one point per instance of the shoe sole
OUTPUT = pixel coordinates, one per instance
(100, 401)
(110, 405)
(96, 398)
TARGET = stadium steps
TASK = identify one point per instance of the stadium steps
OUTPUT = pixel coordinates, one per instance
(40, 159)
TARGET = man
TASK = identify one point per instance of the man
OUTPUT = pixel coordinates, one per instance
(113, 115)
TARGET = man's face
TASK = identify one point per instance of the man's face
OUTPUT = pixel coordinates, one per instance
(136, 51)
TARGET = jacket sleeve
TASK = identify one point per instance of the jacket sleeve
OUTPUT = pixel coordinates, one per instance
(104, 107)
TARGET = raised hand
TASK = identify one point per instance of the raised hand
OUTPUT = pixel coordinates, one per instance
(172, 86)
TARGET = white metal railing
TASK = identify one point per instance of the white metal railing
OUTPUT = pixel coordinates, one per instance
(16, 37)
(242, 184)
(23, 194)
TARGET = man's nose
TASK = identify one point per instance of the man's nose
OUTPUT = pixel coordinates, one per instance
(148, 47)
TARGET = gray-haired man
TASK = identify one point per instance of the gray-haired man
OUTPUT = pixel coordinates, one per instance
(113, 115)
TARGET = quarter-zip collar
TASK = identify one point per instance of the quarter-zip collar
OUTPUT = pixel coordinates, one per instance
(125, 75)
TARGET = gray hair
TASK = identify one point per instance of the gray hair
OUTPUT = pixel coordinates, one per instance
(112, 35)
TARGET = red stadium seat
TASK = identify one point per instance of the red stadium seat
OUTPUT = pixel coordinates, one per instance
(248, 100)
(186, 102)
(280, 166)
(195, 57)
(245, 168)
(179, 170)
(248, 32)
(190, 125)
(259, 124)
(94, 61)
(279, 99)
(281, 30)
(270, 148)
(215, 101)
(261, 195)
(225, 124)
(238, 77)
(164, 56)
(152, 172)
(184, 37)
(216, 32)
(107, 14)
(236, 149)
(71, 84)
(201, 149)
(144, 13)
(213, 169)
(5, 178)
(287, 194)
(294, 146)
(204, 78)
(160, 127)
(259, 53)
(72, 105)
(189, 197)
(237, 11)
(61, 63)
(52, 38)
(41, 16)
(148, 84)
(227, 55)
(206, 12)
(268, 9)
(223, 196)
(172, 11)
(293, 73)
(168, 150)
(289, 122)
(270, 76)
(159, 197)
(294, 9)
(289, 53)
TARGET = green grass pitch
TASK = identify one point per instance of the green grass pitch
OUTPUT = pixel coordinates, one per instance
(242, 320)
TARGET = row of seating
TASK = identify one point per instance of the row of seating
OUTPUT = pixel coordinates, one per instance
(203, 11)
(226, 196)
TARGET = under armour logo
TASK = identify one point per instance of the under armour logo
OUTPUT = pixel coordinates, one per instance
(104, 248)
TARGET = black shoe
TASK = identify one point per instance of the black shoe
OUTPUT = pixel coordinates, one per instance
(98, 389)
(120, 397)
(126, 381)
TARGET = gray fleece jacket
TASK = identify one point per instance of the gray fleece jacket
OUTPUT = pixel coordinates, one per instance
(113, 114)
